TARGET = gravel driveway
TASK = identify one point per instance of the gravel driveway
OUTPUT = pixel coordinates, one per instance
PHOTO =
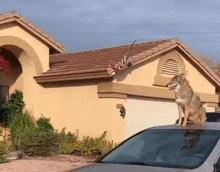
(59, 163)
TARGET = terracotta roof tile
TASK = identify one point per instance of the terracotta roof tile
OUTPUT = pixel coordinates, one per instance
(16, 14)
(76, 62)
(31, 25)
(217, 72)
(166, 44)
(155, 49)
(160, 47)
(173, 41)
(24, 20)
(93, 63)
(2, 17)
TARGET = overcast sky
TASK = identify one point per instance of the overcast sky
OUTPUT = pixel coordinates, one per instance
(92, 24)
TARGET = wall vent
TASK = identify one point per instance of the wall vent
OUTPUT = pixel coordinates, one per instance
(170, 67)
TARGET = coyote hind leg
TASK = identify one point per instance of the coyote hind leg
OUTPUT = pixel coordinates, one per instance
(202, 115)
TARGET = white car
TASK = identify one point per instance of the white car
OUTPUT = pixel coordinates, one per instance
(195, 148)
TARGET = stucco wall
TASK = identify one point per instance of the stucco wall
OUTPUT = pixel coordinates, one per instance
(78, 107)
(197, 80)
(142, 74)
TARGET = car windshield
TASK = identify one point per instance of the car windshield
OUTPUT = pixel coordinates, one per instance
(174, 148)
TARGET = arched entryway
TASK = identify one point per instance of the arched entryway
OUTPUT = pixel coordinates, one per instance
(25, 64)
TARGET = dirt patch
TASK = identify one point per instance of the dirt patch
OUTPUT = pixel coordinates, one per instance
(58, 163)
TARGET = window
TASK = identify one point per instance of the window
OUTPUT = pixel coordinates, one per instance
(4, 96)
(175, 148)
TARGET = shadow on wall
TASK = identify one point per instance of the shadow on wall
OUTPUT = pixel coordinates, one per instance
(76, 83)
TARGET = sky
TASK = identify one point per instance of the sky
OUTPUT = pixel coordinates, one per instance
(92, 24)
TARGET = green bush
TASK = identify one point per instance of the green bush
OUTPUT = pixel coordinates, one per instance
(20, 125)
(3, 160)
(12, 147)
(3, 146)
(14, 105)
(68, 142)
(44, 124)
(97, 146)
(39, 142)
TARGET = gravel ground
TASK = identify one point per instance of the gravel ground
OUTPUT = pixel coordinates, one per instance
(59, 163)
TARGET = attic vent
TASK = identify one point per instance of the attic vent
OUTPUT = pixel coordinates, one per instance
(170, 67)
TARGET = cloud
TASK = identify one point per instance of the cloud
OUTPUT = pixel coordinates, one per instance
(87, 24)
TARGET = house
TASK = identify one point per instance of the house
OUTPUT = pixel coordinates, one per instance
(217, 71)
(95, 91)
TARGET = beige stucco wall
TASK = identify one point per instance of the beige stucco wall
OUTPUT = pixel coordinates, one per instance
(198, 82)
(142, 74)
(78, 107)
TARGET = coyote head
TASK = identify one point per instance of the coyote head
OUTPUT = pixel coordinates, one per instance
(176, 82)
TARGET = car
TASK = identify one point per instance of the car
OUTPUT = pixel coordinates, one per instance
(195, 148)
(213, 117)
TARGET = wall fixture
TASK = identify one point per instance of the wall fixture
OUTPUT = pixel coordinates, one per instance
(122, 111)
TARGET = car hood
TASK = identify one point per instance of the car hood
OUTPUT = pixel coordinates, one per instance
(124, 168)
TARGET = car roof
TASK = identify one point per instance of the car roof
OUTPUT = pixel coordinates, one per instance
(206, 126)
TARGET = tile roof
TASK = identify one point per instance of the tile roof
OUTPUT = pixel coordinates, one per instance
(217, 71)
(93, 63)
(15, 16)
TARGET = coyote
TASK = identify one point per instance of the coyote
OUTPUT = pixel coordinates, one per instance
(188, 103)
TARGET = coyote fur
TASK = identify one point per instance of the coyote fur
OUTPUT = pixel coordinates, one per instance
(188, 102)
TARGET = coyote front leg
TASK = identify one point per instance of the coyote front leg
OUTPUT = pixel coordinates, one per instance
(180, 115)
(185, 116)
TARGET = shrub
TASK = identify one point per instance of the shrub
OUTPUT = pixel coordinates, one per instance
(44, 124)
(14, 105)
(68, 142)
(20, 125)
(3, 160)
(39, 142)
(3, 146)
(97, 146)
(12, 147)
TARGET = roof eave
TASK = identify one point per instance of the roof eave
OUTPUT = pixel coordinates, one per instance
(54, 45)
(72, 77)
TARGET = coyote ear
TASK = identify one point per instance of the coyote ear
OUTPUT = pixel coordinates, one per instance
(184, 75)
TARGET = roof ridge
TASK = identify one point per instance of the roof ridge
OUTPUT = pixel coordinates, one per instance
(27, 21)
(110, 47)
